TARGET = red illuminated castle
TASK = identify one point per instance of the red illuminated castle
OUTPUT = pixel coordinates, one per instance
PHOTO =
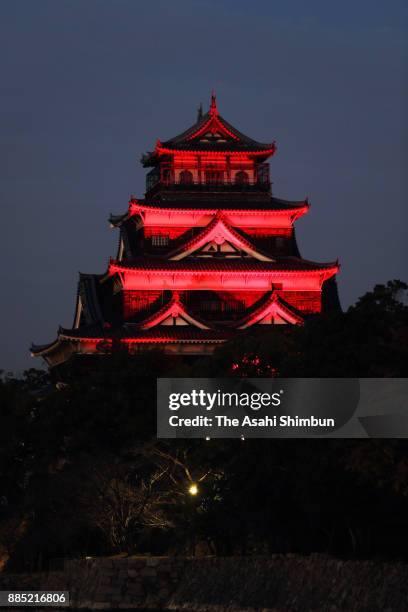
(209, 252)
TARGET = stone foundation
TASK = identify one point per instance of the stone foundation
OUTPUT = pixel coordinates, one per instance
(248, 584)
(121, 582)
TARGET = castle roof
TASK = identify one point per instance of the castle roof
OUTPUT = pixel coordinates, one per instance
(210, 133)
(189, 247)
(173, 308)
(270, 304)
(212, 206)
(133, 332)
(218, 228)
(212, 264)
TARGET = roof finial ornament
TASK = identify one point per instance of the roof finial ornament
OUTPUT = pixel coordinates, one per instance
(200, 112)
(213, 105)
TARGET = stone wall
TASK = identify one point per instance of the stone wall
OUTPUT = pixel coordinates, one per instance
(120, 582)
(248, 584)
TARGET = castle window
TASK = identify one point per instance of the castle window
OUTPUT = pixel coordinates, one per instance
(186, 177)
(214, 177)
(167, 176)
(241, 178)
(160, 240)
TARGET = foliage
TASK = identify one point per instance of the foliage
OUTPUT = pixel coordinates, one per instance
(82, 473)
(369, 340)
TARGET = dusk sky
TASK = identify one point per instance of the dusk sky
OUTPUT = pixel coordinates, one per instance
(87, 86)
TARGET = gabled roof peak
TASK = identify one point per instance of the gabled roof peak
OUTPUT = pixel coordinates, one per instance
(220, 231)
(173, 309)
(272, 305)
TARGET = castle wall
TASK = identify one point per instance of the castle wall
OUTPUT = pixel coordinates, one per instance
(139, 301)
(216, 304)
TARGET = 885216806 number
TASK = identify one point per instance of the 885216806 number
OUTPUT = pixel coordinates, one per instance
(34, 598)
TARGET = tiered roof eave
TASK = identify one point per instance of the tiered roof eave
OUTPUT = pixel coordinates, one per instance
(275, 206)
(152, 331)
(283, 265)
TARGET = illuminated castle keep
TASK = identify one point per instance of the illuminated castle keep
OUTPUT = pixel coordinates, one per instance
(208, 253)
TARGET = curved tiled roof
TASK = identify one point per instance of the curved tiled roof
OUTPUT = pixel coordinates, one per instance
(88, 286)
(220, 203)
(200, 125)
(284, 264)
(132, 332)
(211, 132)
(219, 146)
(210, 206)
(39, 349)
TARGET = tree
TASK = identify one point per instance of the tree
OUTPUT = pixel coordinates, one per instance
(82, 473)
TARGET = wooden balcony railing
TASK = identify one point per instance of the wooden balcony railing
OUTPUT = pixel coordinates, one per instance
(210, 181)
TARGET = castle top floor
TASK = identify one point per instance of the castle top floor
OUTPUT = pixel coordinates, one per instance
(212, 155)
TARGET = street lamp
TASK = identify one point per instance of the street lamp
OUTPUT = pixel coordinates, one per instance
(193, 489)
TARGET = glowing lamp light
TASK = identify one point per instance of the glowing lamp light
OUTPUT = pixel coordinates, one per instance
(193, 489)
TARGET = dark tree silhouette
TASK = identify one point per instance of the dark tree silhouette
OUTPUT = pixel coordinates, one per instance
(82, 473)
